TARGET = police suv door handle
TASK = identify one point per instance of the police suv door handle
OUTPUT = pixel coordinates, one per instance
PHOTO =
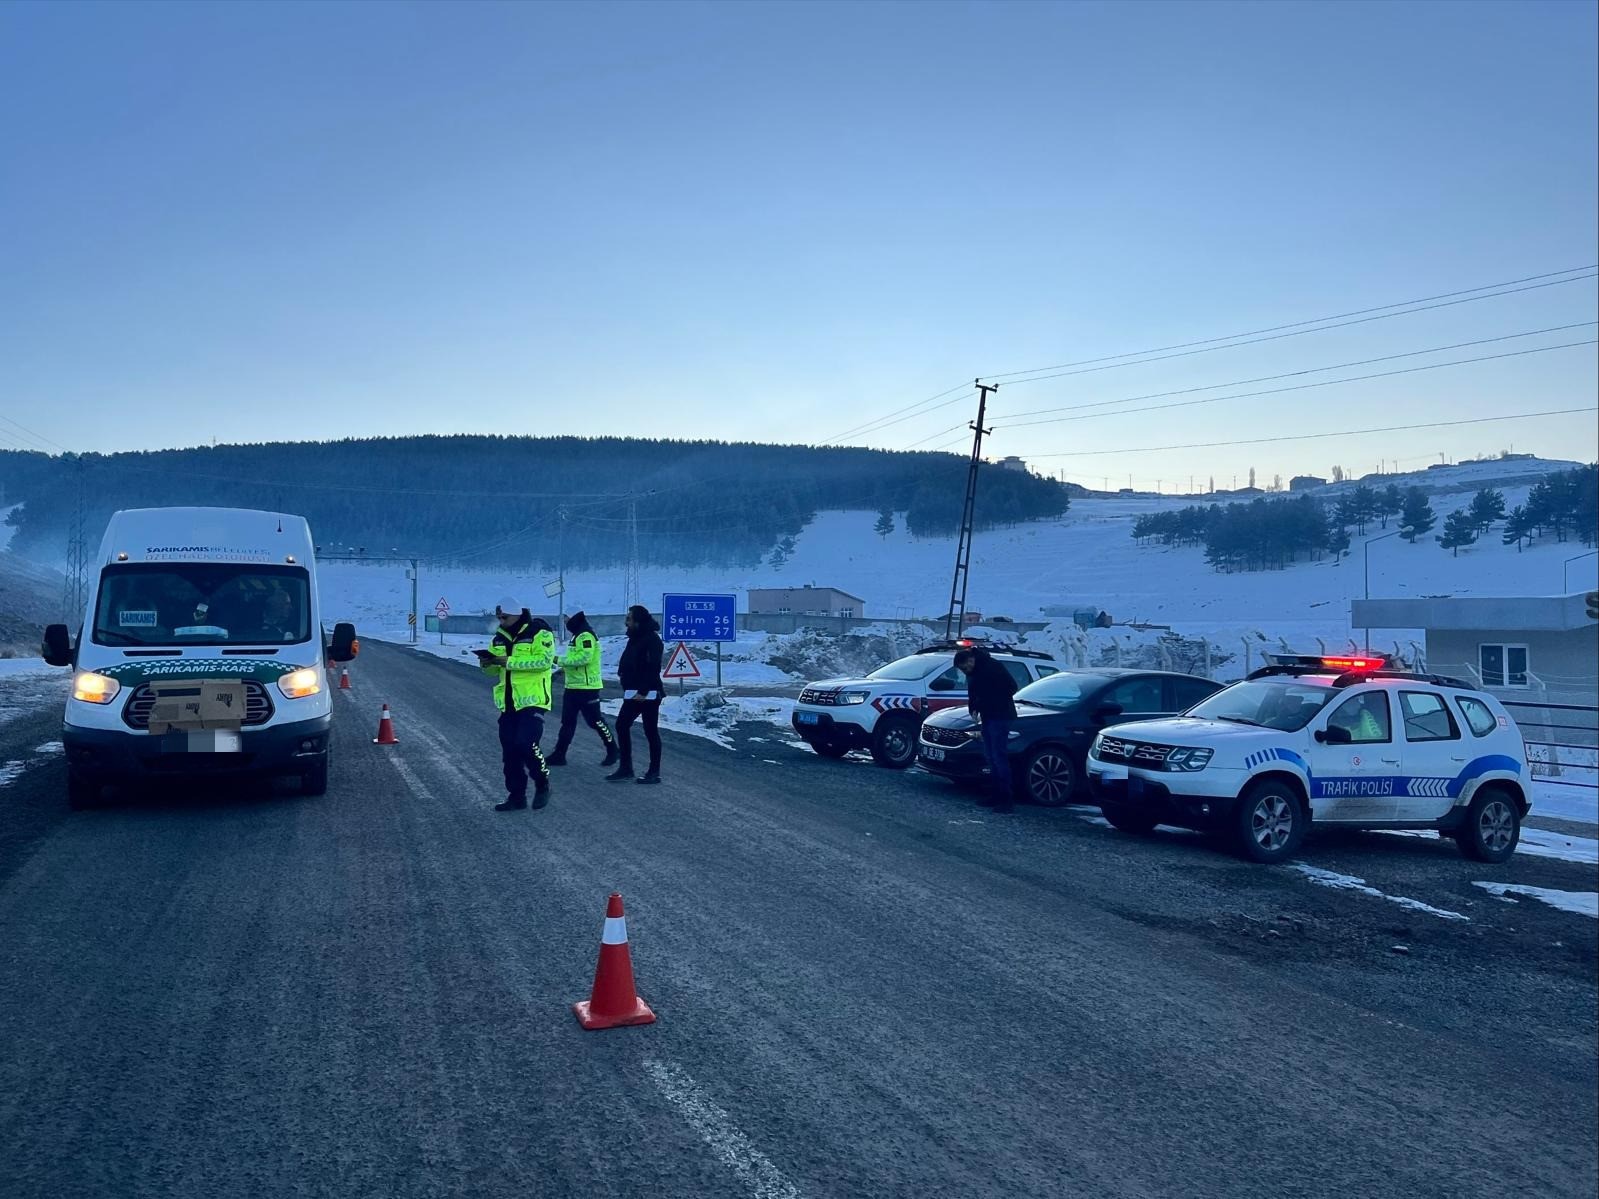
(1389, 761)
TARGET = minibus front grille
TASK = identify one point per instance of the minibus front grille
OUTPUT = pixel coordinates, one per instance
(257, 705)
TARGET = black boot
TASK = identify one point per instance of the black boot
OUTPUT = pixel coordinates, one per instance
(651, 777)
(611, 757)
(511, 805)
(558, 758)
(620, 775)
(541, 793)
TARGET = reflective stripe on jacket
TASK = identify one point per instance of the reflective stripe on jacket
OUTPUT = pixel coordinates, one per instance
(525, 659)
(582, 663)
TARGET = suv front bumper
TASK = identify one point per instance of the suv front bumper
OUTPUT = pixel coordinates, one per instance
(813, 725)
(1155, 795)
(106, 754)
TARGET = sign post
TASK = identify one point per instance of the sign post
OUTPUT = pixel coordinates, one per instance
(442, 611)
(681, 665)
(712, 618)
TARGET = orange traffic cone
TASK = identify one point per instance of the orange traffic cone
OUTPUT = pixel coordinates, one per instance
(344, 678)
(385, 729)
(613, 1002)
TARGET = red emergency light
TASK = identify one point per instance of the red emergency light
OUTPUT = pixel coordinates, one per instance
(1352, 663)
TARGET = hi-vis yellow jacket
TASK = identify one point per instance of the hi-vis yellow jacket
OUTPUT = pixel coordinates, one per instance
(524, 658)
(582, 663)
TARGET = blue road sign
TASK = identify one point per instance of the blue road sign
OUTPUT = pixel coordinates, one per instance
(699, 618)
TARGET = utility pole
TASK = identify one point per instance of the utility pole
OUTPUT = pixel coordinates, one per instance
(955, 620)
(560, 571)
(630, 585)
(74, 592)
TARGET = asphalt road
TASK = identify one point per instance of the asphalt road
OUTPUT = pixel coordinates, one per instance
(866, 986)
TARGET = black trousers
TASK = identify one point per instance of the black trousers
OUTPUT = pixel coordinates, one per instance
(650, 713)
(587, 705)
(519, 751)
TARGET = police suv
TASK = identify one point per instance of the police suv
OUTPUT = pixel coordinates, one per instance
(883, 712)
(1342, 742)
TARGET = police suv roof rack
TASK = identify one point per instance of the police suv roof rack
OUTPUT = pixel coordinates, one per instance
(1350, 678)
(1340, 664)
(944, 647)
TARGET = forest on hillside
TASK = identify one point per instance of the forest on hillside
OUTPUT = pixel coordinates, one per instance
(476, 500)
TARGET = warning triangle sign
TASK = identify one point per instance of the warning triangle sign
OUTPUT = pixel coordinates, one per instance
(681, 664)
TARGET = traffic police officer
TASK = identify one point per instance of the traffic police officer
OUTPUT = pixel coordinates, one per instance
(580, 696)
(520, 660)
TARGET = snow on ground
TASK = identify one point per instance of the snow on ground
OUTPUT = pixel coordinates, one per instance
(27, 684)
(712, 713)
(1086, 559)
(1348, 882)
(1563, 801)
(1584, 903)
(1535, 842)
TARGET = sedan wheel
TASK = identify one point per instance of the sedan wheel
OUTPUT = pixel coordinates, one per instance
(1050, 777)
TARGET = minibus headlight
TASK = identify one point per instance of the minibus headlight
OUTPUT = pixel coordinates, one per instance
(298, 684)
(94, 688)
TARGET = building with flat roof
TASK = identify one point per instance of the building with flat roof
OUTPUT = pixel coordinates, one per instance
(1529, 648)
(804, 601)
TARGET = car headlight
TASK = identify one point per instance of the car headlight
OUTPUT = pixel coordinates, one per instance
(849, 699)
(94, 688)
(298, 684)
(1093, 748)
(1183, 758)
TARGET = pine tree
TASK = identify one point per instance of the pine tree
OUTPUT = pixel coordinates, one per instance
(1459, 529)
(1338, 541)
(1390, 502)
(1487, 506)
(1517, 527)
(1251, 476)
(1416, 516)
(885, 523)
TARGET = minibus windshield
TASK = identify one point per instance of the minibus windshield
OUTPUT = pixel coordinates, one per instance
(202, 603)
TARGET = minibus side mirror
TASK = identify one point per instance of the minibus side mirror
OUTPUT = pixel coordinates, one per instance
(57, 647)
(345, 646)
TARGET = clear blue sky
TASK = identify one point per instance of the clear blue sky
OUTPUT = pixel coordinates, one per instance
(775, 222)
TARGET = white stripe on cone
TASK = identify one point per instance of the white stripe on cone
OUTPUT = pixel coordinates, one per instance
(615, 931)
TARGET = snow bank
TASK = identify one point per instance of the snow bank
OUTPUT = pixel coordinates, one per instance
(1584, 903)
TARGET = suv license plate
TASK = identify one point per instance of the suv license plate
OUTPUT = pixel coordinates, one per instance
(808, 718)
(931, 754)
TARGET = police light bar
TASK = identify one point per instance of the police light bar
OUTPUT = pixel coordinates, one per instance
(1354, 663)
(1338, 662)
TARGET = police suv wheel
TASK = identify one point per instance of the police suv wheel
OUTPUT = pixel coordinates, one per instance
(1268, 823)
(1492, 826)
(829, 749)
(894, 742)
(1050, 777)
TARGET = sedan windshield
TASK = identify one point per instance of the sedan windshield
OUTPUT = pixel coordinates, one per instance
(917, 666)
(1286, 706)
(202, 603)
(1058, 691)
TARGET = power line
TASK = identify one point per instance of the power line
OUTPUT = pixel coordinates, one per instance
(38, 439)
(1244, 395)
(867, 427)
(1321, 320)
(1311, 370)
(1206, 445)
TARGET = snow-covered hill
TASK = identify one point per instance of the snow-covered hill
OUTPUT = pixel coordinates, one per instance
(1086, 559)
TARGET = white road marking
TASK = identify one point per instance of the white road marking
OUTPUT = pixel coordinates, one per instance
(754, 1169)
(412, 780)
(1348, 882)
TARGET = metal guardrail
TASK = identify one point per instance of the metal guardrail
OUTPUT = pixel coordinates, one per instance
(1550, 759)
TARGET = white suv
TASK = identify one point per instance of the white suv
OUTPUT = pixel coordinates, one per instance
(883, 712)
(1342, 742)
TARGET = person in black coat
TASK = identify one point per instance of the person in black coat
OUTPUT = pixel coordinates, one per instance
(990, 698)
(640, 672)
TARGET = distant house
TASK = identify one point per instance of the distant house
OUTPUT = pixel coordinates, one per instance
(1531, 648)
(805, 601)
(1013, 463)
(1305, 482)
